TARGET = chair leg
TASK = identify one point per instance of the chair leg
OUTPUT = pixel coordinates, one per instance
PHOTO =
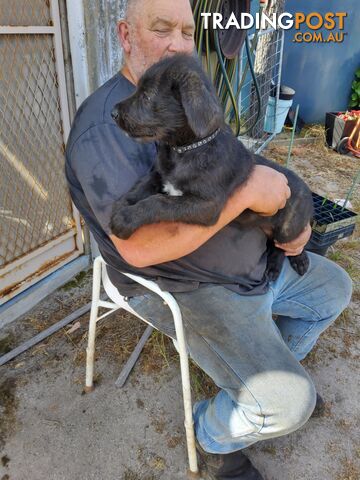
(90, 351)
(193, 471)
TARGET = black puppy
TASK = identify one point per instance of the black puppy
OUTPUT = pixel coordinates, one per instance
(200, 162)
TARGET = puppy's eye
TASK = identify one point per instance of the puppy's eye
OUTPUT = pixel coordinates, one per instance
(147, 97)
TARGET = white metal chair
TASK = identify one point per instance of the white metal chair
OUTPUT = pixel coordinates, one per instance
(118, 301)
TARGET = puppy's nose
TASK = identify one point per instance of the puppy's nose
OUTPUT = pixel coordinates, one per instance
(115, 113)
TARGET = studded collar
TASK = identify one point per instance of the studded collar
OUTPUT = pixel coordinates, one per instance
(201, 142)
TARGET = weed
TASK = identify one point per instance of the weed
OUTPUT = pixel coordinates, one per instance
(7, 343)
(8, 407)
(78, 281)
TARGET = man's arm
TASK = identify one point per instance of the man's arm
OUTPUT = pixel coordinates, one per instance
(265, 192)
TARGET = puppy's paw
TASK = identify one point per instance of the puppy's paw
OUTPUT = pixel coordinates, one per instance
(275, 262)
(130, 199)
(300, 263)
(273, 272)
(121, 223)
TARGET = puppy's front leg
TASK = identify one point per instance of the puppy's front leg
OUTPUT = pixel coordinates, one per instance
(148, 185)
(158, 208)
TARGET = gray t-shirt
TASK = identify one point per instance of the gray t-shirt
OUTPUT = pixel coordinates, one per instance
(102, 164)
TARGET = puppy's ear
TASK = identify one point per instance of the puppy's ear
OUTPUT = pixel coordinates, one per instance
(201, 105)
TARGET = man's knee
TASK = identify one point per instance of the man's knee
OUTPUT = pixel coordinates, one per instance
(295, 408)
(346, 286)
(287, 406)
(336, 286)
(341, 288)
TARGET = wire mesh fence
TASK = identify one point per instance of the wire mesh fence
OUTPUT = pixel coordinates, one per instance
(25, 12)
(35, 206)
(267, 46)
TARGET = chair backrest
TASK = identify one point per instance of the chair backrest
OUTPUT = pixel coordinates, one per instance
(113, 293)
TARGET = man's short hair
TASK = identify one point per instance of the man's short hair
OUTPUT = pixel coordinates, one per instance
(130, 7)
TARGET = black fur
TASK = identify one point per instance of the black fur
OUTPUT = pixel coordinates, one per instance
(175, 104)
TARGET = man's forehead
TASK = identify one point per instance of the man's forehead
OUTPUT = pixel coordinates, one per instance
(171, 21)
(172, 12)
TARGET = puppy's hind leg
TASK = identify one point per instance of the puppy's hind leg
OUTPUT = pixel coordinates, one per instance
(300, 263)
(275, 260)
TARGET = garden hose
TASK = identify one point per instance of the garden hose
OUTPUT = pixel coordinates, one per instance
(228, 86)
(258, 95)
(225, 69)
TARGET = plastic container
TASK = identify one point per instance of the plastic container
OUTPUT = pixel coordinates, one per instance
(320, 242)
(286, 93)
(329, 216)
(275, 117)
(331, 223)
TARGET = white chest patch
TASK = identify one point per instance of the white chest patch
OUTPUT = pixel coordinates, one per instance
(171, 190)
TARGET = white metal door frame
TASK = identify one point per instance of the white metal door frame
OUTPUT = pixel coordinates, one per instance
(80, 67)
(32, 267)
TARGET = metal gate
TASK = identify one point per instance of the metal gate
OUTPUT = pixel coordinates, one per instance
(40, 230)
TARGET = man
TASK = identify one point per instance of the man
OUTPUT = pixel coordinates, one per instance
(217, 273)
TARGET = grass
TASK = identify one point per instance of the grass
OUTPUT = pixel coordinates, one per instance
(131, 475)
(7, 343)
(202, 385)
(78, 281)
(346, 253)
(350, 471)
(8, 407)
(345, 258)
(318, 133)
(160, 354)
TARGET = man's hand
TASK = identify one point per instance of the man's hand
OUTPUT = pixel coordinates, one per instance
(268, 190)
(295, 247)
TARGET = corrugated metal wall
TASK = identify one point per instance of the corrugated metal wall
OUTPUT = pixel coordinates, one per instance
(104, 53)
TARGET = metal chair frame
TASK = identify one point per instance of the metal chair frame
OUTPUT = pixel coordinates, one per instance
(118, 301)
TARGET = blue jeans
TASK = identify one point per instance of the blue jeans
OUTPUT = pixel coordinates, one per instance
(265, 392)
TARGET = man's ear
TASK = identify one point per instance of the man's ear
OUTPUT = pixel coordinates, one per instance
(122, 29)
(201, 105)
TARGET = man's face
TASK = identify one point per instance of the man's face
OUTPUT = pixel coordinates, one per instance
(159, 29)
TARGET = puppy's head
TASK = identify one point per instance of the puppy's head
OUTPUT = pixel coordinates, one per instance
(174, 101)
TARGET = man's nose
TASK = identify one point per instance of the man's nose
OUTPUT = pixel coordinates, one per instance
(115, 113)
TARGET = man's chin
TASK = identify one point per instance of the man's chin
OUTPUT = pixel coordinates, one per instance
(144, 67)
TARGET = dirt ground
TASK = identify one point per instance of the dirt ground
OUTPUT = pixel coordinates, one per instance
(50, 430)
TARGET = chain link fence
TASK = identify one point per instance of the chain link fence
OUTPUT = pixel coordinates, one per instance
(25, 12)
(35, 206)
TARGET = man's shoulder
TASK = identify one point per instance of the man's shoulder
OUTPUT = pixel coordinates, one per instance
(95, 110)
